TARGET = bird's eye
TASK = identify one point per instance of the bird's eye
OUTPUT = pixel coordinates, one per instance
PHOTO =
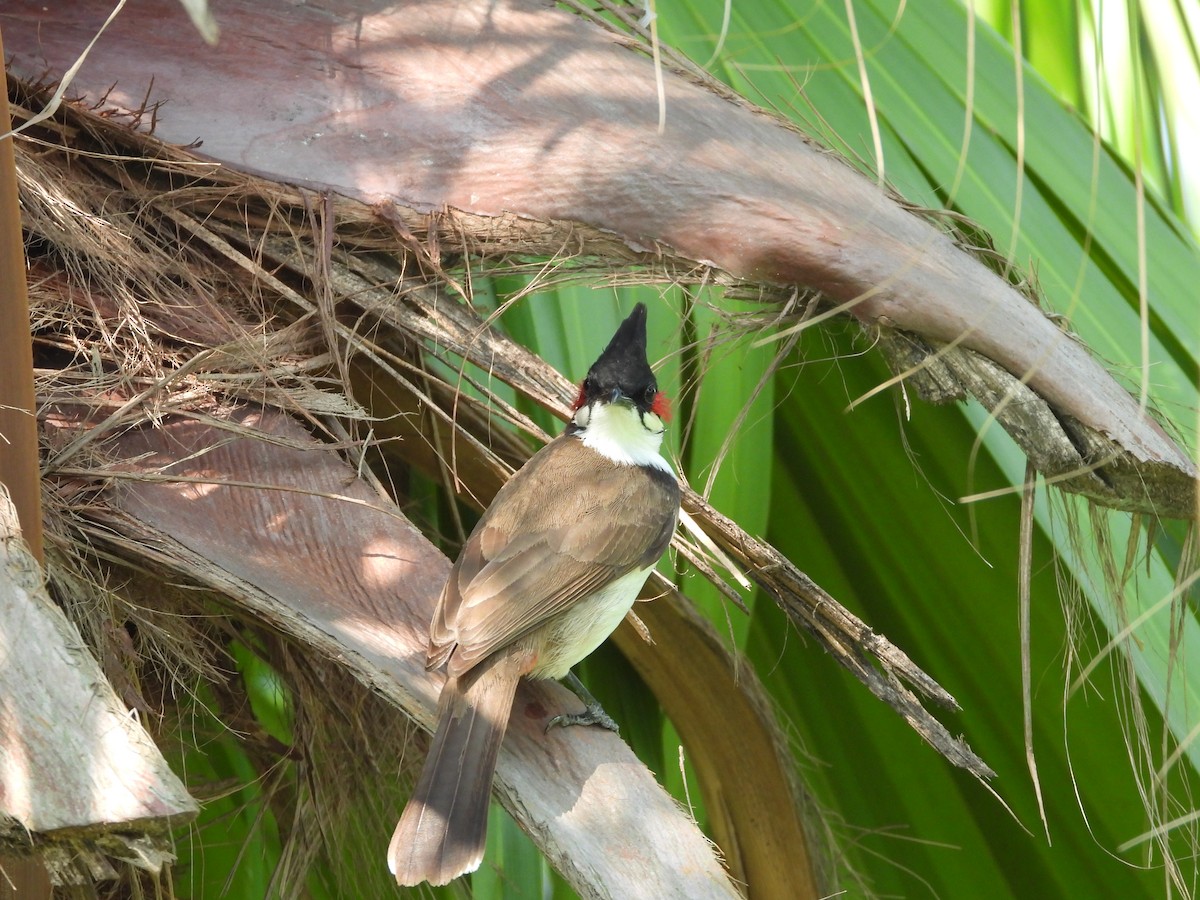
(650, 394)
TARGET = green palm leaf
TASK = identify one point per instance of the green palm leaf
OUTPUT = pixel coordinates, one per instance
(856, 499)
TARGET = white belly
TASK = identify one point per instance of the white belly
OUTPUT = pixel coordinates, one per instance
(576, 633)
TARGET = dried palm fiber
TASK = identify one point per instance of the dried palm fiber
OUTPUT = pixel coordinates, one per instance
(388, 292)
(121, 310)
(216, 314)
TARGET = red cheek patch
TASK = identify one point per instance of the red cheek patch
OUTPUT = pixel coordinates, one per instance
(579, 401)
(661, 406)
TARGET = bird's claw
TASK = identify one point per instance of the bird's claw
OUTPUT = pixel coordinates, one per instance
(591, 715)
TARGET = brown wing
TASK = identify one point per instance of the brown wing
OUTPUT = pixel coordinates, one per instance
(528, 560)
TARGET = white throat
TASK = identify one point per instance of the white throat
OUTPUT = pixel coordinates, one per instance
(619, 432)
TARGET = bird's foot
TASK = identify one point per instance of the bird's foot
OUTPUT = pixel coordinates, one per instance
(593, 713)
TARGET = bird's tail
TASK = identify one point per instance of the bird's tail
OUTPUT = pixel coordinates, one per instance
(442, 831)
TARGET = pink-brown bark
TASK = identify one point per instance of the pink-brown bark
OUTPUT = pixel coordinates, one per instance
(514, 106)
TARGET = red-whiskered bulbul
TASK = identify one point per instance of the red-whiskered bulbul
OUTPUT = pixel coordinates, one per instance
(550, 570)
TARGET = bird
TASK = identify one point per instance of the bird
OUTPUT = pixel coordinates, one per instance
(547, 574)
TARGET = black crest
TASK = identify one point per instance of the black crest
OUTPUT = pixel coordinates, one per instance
(623, 365)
